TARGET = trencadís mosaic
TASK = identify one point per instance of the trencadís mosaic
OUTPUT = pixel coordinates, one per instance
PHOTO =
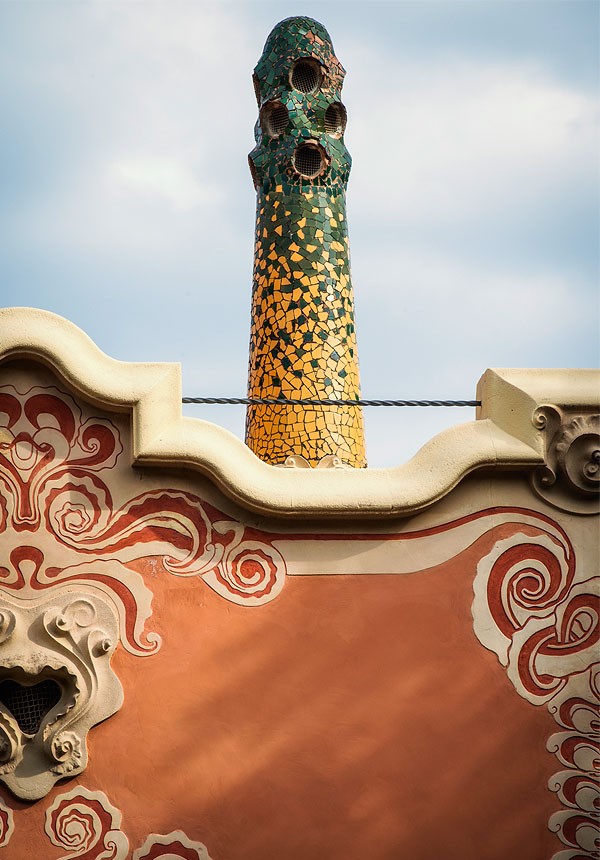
(303, 340)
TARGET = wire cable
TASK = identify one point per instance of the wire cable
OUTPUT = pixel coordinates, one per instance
(279, 401)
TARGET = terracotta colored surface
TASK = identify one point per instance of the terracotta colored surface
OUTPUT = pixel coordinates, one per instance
(353, 717)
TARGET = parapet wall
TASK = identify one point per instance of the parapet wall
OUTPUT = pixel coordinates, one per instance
(204, 656)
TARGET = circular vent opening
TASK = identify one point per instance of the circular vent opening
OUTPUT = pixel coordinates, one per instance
(309, 160)
(274, 119)
(306, 76)
(335, 119)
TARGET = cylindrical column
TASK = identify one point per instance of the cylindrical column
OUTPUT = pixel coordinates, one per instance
(303, 341)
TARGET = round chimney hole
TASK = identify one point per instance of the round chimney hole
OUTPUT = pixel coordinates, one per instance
(306, 75)
(274, 118)
(309, 160)
(335, 119)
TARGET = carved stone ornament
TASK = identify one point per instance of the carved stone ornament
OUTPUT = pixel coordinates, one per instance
(67, 595)
(55, 684)
(570, 477)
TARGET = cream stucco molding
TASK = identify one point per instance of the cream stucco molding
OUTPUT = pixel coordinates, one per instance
(504, 435)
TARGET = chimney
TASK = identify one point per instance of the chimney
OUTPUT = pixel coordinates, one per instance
(303, 340)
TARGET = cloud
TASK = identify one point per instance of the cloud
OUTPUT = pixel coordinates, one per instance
(433, 323)
(127, 186)
(148, 131)
(165, 179)
(457, 138)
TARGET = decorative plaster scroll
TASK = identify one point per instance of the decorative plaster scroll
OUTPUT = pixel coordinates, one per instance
(56, 468)
(173, 846)
(87, 825)
(67, 597)
(541, 616)
(570, 477)
(7, 824)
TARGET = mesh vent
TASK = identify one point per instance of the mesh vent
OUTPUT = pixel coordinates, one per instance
(306, 76)
(29, 704)
(274, 118)
(309, 160)
(335, 119)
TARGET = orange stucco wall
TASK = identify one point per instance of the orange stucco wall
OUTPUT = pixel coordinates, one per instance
(348, 717)
(354, 717)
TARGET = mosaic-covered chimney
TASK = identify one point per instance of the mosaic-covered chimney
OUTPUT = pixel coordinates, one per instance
(303, 341)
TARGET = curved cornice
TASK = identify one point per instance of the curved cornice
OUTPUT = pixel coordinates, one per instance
(504, 436)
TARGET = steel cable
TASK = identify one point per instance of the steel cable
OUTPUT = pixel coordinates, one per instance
(260, 401)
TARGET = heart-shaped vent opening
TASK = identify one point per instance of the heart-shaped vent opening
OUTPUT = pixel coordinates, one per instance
(29, 703)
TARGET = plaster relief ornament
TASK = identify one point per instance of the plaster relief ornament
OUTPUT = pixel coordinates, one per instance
(7, 824)
(68, 598)
(541, 616)
(56, 683)
(570, 477)
(87, 825)
(173, 846)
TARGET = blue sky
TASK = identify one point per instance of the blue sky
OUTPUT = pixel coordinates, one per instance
(127, 204)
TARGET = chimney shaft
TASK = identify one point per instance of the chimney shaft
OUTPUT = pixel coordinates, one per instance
(303, 342)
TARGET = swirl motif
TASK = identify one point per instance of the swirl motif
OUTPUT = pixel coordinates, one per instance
(66, 751)
(46, 440)
(86, 825)
(7, 824)
(570, 477)
(528, 608)
(62, 534)
(173, 846)
(578, 452)
(252, 573)
(11, 749)
(576, 790)
(527, 576)
(76, 511)
(577, 831)
(89, 827)
(577, 714)
(543, 622)
(7, 624)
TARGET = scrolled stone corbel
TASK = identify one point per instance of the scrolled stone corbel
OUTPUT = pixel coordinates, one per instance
(570, 477)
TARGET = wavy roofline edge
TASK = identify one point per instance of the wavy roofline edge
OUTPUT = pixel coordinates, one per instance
(503, 436)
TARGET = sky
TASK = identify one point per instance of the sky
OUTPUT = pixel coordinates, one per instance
(127, 206)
